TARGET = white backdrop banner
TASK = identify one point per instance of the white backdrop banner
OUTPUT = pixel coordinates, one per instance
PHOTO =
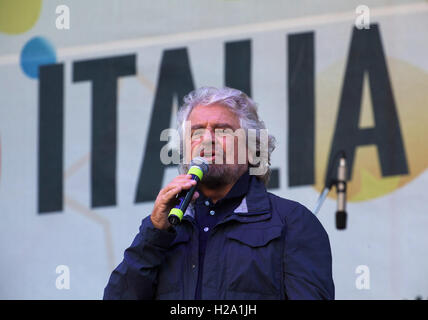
(87, 88)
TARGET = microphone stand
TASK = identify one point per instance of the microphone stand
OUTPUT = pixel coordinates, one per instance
(321, 199)
(340, 215)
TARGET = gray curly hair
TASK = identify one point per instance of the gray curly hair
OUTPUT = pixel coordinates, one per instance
(243, 106)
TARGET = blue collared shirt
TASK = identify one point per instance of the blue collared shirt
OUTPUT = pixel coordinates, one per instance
(208, 214)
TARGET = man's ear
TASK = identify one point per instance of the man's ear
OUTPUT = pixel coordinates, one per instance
(251, 156)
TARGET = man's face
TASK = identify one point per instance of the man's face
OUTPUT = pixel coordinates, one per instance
(221, 150)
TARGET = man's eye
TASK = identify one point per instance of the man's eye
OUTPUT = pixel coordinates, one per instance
(197, 134)
(224, 133)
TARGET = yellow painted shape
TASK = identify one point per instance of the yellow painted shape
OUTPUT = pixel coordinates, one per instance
(372, 186)
(409, 85)
(18, 16)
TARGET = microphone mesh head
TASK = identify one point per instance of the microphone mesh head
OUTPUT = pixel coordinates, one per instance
(200, 162)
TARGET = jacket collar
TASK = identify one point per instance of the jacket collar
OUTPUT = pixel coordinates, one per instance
(256, 200)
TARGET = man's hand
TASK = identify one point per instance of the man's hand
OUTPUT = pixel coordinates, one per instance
(166, 200)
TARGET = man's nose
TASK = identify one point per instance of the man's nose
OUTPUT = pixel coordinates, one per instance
(209, 136)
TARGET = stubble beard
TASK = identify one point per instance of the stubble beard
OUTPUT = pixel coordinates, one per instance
(222, 174)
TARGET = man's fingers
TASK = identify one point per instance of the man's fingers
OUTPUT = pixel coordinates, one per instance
(176, 188)
(179, 180)
(172, 193)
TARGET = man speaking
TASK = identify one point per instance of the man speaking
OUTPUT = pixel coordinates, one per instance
(235, 240)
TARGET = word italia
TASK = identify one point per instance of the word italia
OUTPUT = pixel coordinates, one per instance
(366, 57)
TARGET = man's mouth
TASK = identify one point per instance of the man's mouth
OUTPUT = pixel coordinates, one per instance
(207, 154)
(211, 158)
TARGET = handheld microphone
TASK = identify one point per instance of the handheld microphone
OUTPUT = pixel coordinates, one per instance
(341, 194)
(198, 167)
